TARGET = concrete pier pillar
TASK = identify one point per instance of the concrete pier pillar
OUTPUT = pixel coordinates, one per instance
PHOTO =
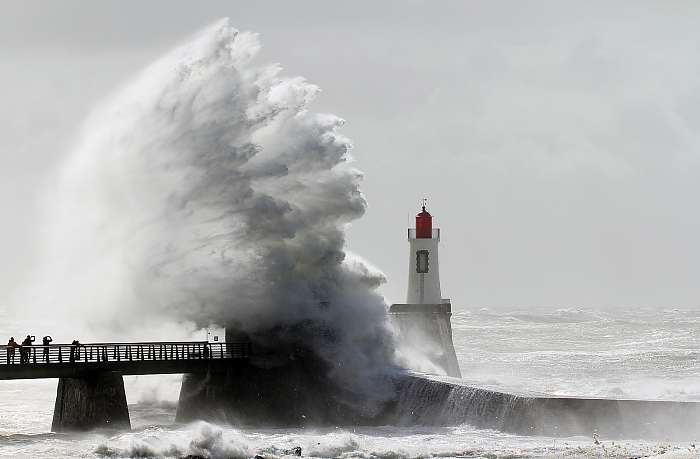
(95, 401)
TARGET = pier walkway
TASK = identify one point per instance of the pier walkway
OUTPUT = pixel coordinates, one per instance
(75, 361)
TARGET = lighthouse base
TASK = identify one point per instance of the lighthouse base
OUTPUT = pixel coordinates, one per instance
(426, 329)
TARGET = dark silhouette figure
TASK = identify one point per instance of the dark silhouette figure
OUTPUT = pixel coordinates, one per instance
(74, 350)
(25, 349)
(11, 346)
(207, 351)
(46, 341)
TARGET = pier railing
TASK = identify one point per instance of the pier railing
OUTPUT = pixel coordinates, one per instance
(121, 352)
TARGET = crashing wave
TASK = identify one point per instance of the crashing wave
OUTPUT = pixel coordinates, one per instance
(206, 192)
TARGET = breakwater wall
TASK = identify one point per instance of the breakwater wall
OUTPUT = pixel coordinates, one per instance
(425, 401)
(297, 393)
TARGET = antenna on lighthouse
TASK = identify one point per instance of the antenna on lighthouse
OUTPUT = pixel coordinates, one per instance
(424, 202)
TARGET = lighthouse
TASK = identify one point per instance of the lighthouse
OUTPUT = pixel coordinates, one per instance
(423, 265)
(423, 322)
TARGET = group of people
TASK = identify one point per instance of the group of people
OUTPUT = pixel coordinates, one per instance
(25, 349)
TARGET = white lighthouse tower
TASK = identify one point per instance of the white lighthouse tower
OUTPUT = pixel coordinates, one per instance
(423, 265)
(423, 321)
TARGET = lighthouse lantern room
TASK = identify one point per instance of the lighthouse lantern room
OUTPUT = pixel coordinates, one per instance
(423, 267)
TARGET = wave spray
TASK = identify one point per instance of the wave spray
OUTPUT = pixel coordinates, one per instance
(205, 192)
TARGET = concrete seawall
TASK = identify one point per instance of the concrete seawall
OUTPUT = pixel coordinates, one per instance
(295, 393)
(425, 401)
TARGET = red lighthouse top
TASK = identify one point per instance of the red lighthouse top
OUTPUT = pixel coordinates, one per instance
(424, 225)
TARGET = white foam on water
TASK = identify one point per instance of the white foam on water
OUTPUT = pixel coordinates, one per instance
(210, 441)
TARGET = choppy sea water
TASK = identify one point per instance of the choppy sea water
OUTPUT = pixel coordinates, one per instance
(628, 354)
(647, 354)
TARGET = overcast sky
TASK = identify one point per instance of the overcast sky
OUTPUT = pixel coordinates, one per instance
(557, 142)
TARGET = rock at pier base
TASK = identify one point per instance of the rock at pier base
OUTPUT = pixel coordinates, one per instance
(94, 401)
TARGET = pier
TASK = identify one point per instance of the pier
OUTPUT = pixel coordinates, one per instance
(90, 391)
(144, 358)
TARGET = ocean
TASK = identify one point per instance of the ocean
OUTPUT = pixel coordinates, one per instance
(647, 354)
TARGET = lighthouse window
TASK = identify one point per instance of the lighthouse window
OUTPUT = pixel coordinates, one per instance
(422, 261)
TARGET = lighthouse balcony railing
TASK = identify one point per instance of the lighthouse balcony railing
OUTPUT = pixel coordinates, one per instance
(413, 235)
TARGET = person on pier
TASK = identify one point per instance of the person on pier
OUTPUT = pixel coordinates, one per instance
(75, 350)
(46, 341)
(26, 349)
(11, 346)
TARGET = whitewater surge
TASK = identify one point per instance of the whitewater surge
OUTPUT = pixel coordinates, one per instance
(215, 442)
(206, 193)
